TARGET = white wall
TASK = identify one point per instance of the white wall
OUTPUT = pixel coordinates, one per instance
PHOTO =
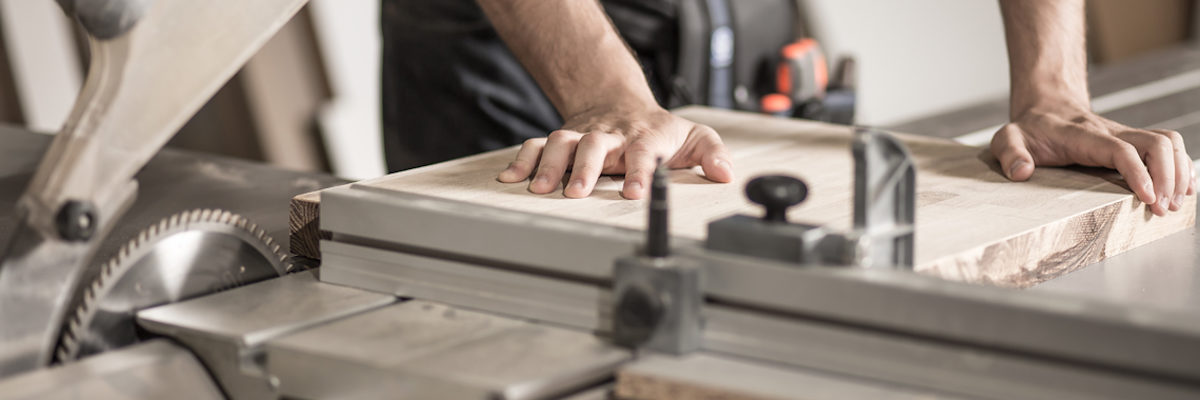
(916, 57)
(348, 31)
(45, 66)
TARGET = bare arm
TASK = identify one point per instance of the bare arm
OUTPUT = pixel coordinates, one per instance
(1050, 110)
(612, 123)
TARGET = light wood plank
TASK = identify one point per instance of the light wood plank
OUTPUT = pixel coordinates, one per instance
(972, 224)
(708, 376)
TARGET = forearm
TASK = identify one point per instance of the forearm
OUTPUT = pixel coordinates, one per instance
(1047, 57)
(572, 51)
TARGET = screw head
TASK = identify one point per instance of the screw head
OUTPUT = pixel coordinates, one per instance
(76, 220)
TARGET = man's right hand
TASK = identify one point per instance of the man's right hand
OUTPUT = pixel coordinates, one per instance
(628, 142)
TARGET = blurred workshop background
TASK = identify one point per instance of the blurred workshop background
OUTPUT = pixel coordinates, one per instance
(310, 99)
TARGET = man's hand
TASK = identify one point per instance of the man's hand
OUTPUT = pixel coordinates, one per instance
(1153, 162)
(630, 143)
(613, 125)
(1051, 119)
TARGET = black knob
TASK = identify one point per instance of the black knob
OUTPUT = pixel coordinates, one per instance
(776, 193)
(637, 316)
(76, 221)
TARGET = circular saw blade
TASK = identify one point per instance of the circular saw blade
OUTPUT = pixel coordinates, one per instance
(183, 256)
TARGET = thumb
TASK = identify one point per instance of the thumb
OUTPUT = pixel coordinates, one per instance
(1008, 146)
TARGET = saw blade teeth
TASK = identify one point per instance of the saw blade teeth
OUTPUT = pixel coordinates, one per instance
(74, 327)
(75, 330)
(94, 288)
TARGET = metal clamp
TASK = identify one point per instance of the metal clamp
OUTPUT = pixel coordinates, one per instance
(884, 214)
(658, 297)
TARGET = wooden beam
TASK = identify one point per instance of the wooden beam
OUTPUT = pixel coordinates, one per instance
(973, 224)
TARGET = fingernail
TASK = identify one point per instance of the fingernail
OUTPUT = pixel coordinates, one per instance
(1012, 170)
(1163, 202)
(722, 163)
(1178, 201)
(577, 185)
(1148, 188)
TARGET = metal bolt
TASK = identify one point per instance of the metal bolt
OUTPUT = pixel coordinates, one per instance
(637, 316)
(76, 220)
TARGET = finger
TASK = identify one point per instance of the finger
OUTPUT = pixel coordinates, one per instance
(590, 157)
(527, 158)
(1183, 167)
(1124, 157)
(1192, 183)
(641, 158)
(713, 156)
(560, 147)
(1008, 146)
(1157, 153)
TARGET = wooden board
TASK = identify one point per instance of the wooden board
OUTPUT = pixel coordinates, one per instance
(707, 376)
(972, 224)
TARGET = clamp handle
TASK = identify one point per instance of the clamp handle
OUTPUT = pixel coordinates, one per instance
(776, 193)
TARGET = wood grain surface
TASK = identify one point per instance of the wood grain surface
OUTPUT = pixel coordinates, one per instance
(707, 376)
(973, 224)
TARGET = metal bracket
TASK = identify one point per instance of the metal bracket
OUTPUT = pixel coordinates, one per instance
(885, 199)
(659, 298)
(658, 304)
(884, 214)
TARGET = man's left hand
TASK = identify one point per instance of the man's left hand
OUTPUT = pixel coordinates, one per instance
(1154, 163)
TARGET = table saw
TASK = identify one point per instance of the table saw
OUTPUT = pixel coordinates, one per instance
(424, 295)
(778, 332)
